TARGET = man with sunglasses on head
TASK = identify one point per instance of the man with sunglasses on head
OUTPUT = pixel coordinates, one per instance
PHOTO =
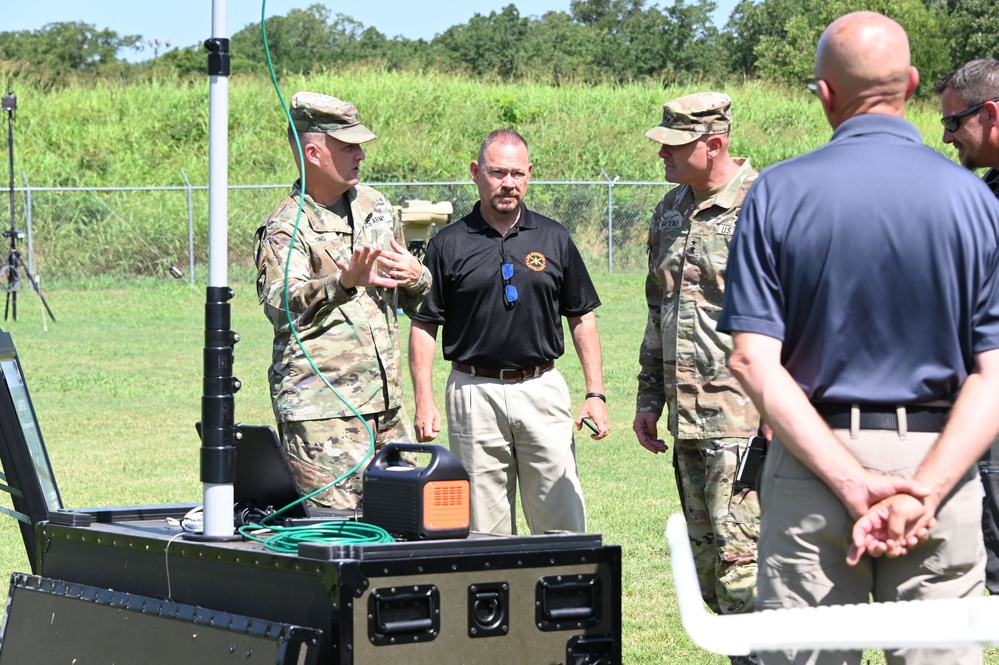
(683, 358)
(504, 277)
(969, 98)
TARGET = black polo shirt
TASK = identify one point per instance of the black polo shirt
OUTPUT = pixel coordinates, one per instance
(467, 293)
(991, 179)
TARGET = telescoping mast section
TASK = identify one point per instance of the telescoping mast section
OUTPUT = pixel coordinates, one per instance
(218, 452)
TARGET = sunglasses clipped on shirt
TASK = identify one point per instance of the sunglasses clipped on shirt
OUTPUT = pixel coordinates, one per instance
(953, 122)
(510, 295)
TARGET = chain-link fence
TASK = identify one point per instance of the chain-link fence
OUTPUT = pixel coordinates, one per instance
(121, 232)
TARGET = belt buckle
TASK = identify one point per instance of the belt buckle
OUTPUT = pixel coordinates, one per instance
(503, 377)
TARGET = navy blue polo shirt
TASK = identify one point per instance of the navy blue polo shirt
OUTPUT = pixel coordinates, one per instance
(467, 299)
(874, 259)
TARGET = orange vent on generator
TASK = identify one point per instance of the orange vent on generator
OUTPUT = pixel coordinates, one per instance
(445, 504)
(413, 502)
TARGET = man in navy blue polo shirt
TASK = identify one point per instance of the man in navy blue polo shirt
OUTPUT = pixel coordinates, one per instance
(862, 298)
(503, 279)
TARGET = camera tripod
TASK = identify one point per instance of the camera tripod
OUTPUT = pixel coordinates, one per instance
(10, 275)
(10, 278)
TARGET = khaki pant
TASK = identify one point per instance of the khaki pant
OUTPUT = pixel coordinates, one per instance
(321, 451)
(805, 534)
(506, 433)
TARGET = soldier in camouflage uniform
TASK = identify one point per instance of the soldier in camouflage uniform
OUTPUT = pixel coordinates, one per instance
(683, 358)
(347, 273)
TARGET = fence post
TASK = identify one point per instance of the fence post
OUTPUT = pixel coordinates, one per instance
(190, 229)
(27, 222)
(610, 218)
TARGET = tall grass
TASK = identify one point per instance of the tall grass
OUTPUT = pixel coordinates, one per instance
(429, 127)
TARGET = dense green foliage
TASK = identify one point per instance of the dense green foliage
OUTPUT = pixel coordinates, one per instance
(62, 48)
(596, 40)
(155, 133)
(776, 38)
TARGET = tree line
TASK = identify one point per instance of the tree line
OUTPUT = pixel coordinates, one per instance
(596, 40)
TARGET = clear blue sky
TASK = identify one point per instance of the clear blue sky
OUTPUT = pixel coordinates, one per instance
(189, 22)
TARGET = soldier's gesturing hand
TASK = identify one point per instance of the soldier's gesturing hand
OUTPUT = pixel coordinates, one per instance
(400, 265)
(363, 269)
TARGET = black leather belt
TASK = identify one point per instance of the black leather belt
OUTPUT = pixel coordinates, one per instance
(506, 373)
(918, 418)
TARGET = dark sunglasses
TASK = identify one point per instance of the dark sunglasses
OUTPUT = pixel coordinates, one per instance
(953, 122)
(510, 294)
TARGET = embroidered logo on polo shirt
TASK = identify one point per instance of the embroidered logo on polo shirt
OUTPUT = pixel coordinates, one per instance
(536, 261)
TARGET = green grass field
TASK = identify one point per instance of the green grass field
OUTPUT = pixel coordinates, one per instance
(117, 385)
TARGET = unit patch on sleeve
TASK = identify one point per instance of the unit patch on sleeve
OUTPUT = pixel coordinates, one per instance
(671, 220)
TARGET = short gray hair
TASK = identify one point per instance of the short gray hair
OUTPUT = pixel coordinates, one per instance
(304, 138)
(503, 137)
(974, 81)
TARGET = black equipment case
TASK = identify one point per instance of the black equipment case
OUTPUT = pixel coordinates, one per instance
(110, 583)
(533, 599)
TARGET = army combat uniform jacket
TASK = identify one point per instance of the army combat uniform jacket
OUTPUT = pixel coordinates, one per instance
(353, 341)
(683, 358)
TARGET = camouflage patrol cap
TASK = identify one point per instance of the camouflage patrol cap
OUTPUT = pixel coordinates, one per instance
(313, 112)
(689, 117)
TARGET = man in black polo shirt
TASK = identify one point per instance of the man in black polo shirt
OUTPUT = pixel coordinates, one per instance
(968, 99)
(502, 279)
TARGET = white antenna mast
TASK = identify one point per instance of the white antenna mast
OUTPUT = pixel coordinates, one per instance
(218, 434)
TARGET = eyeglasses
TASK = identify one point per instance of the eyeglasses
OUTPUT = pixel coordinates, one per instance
(812, 84)
(510, 295)
(953, 122)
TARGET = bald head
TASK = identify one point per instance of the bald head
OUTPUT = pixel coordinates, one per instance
(863, 58)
